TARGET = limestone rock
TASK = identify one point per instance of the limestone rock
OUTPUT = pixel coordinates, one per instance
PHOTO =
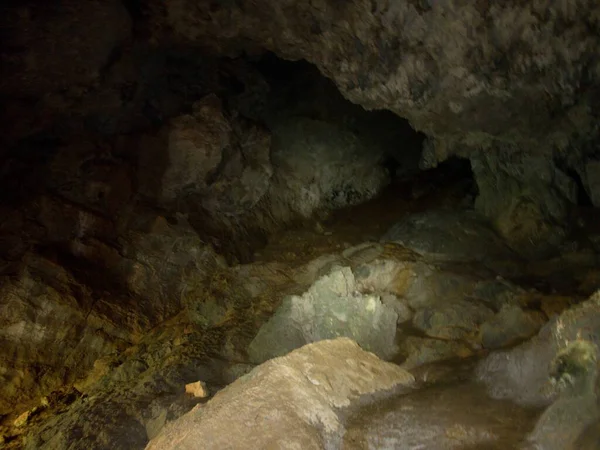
(575, 371)
(589, 438)
(400, 307)
(454, 320)
(419, 351)
(195, 148)
(332, 307)
(509, 326)
(498, 293)
(289, 402)
(522, 374)
(32, 314)
(122, 295)
(526, 197)
(321, 166)
(22, 420)
(449, 235)
(417, 283)
(210, 158)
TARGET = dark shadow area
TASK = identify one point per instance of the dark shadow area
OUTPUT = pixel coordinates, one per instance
(298, 89)
(583, 199)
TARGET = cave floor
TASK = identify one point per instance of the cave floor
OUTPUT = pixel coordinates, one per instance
(365, 222)
(449, 412)
(457, 416)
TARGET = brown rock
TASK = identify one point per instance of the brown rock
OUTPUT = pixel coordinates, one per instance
(197, 389)
(289, 402)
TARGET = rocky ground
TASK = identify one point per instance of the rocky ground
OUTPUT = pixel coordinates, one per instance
(470, 339)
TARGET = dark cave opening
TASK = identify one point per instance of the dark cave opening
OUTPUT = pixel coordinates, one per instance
(347, 155)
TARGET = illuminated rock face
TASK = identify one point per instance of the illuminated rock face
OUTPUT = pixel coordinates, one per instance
(290, 402)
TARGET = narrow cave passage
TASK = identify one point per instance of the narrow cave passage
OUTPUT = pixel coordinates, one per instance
(326, 153)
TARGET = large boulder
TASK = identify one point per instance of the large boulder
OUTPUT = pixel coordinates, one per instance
(526, 197)
(523, 374)
(567, 420)
(332, 307)
(295, 401)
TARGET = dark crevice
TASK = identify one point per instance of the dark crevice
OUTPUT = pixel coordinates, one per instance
(583, 199)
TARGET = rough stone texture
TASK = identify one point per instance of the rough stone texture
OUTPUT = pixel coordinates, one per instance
(450, 235)
(48, 336)
(197, 389)
(439, 64)
(323, 166)
(128, 397)
(526, 197)
(510, 326)
(523, 373)
(55, 325)
(455, 320)
(575, 370)
(498, 293)
(332, 307)
(290, 402)
(419, 351)
(516, 77)
(208, 158)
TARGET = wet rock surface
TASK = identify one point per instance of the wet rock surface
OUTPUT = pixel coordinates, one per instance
(440, 418)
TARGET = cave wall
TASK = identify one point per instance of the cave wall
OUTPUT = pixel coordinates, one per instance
(474, 76)
(528, 65)
(130, 135)
(128, 163)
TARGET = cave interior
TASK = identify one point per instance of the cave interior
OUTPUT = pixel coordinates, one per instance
(196, 191)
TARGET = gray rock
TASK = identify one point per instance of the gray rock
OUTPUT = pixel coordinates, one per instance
(399, 306)
(526, 197)
(322, 166)
(332, 307)
(497, 293)
(575, 371)
(522, 374)
(397, 56)
(454, 320)
(218, 162)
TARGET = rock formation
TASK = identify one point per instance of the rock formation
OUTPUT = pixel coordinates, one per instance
(190, 188)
